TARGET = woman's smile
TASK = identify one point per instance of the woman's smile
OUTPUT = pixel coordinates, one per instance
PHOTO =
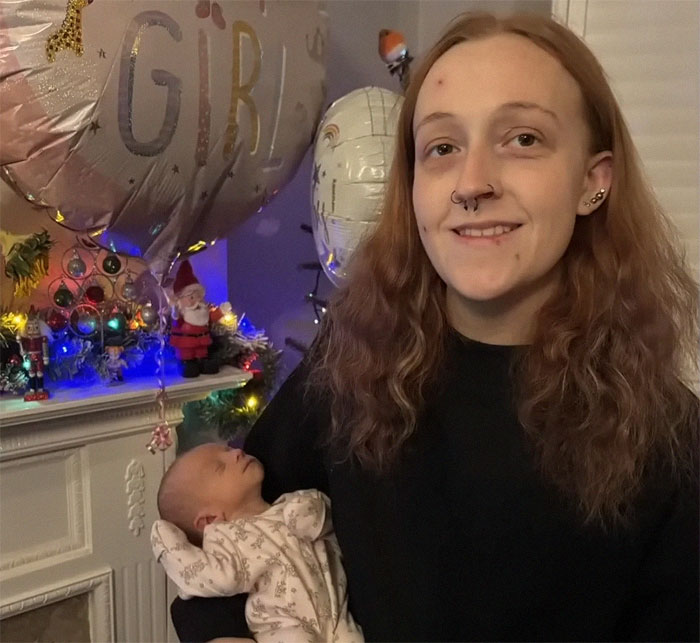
(487, 233)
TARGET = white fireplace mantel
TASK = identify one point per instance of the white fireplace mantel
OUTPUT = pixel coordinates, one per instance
(78, 495)
(98, 411)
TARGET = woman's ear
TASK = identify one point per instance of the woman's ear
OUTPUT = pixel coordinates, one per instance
(596, 184)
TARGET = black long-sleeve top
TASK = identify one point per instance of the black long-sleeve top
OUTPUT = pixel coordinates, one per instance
(465, 541)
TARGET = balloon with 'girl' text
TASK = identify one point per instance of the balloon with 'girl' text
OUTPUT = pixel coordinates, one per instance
(158, 126)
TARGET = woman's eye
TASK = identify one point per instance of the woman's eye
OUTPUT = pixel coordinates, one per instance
(526, 140)
(442, 149)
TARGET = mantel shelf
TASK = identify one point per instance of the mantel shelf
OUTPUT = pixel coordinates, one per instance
(71, 402)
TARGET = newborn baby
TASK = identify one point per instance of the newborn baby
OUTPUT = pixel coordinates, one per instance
(218, 537)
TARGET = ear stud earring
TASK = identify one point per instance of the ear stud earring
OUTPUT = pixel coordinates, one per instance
(597, 197)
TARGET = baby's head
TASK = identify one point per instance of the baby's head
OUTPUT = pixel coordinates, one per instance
(210, 483)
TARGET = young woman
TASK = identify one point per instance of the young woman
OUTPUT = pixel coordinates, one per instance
(499, 402)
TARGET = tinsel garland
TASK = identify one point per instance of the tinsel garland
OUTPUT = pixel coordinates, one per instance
(13, 379)
(10, 323)
(76, 360)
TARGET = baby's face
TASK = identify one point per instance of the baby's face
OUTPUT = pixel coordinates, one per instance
(224, 476)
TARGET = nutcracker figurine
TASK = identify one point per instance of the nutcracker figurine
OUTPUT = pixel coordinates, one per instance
(192, 319)
(34, 346)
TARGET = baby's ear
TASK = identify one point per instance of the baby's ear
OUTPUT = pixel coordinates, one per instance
(206, 517)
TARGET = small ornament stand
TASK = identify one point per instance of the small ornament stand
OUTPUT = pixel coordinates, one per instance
(78, 494)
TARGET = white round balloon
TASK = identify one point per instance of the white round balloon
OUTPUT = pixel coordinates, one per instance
(352, 158)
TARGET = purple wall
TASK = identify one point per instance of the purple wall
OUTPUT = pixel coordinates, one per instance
(263, 253)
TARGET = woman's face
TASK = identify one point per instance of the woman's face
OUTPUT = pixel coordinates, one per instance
(501, 111)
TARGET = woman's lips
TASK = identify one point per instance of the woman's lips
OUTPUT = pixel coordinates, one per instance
(486, 232)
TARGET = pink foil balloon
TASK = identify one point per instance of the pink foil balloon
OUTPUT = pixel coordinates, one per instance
(156, 127)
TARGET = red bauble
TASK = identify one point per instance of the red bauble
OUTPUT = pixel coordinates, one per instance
(95, 294)
(15, 360)
(57, 321)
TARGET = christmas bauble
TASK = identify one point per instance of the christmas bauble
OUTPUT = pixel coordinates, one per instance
(129, 290)
(15, 360)
(112, 264)
(95, 294)
(76, 266)
(116, 323)
(149, 314)
(63, 297)
(87, 323)
(57, 321)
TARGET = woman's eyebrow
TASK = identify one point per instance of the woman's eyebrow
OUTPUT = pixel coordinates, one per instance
(430, 118)
(511, 106)
(525, 105)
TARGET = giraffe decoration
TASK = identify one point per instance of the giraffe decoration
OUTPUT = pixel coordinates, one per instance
(70, 35)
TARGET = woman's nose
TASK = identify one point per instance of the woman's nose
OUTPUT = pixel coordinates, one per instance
(478, 177)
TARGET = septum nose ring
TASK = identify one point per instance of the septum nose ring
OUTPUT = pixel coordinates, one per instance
(465, 203)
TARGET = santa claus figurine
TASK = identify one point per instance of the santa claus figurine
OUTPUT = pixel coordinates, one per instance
(34, 348)
(191, 322)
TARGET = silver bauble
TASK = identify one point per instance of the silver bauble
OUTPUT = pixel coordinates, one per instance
(129, 291)
(87, 323)
(149, 314)
(76, 266)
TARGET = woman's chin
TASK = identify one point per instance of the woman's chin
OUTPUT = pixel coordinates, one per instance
(478, 293)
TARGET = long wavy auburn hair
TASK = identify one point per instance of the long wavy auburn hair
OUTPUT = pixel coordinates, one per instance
(604, 389)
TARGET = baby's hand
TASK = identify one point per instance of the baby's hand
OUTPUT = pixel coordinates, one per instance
(166, 537)
(307, 514)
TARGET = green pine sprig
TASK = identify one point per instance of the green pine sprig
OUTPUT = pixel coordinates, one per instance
(28, 262)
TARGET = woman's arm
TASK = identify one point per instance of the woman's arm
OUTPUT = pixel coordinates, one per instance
(204, 619)
(284, 439)
(665, 601)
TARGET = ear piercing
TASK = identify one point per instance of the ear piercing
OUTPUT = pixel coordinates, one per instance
(597, 197)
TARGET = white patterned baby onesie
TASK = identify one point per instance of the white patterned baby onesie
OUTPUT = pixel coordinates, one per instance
(287, 559)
